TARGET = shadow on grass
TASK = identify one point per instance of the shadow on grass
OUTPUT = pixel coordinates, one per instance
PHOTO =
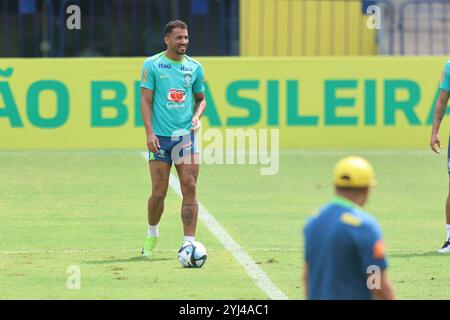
(415, 254)
(109, 260)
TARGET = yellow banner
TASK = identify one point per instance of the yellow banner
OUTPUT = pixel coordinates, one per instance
(305, 28)
(315, 102)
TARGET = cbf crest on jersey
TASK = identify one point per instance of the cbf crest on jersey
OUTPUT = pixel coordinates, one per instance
(188, 80)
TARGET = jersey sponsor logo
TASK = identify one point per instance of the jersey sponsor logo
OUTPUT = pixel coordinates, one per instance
(176, 98)
(163, 76)
(176, 95)
(184, 68)
(164, 66)
(378, 250)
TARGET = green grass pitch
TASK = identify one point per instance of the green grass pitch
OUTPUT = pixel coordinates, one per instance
(88, 209)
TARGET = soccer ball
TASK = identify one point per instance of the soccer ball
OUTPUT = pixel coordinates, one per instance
(192, 254)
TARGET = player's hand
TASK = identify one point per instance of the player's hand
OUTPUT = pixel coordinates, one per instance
(195, 123)
(435, 143)
(152, 143)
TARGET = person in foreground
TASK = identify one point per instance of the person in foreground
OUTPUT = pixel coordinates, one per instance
(344, 249)
(172, 102)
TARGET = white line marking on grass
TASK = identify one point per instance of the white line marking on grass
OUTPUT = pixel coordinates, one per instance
(253, 270)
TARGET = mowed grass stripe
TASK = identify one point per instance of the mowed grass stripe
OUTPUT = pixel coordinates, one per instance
(68, 203)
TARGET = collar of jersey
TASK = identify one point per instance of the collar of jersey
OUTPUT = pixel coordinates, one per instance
(174, 61)
(344, 202)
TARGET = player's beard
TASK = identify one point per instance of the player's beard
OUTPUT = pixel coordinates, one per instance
(181, 50)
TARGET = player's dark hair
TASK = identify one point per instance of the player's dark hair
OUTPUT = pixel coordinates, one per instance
(353, 189)
(174, 24)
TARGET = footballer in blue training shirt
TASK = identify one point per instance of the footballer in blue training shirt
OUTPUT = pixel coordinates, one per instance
(435, 142)
(344, 249)
(172, 103)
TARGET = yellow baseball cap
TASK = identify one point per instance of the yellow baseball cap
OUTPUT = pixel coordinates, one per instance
(354, 172)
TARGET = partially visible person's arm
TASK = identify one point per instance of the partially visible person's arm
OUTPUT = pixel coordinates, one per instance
(385, 292)
(146, 111)
(305, 280)
(147, 88)
(199, 108)
(199, 97)
(439, 111)
(374, 261)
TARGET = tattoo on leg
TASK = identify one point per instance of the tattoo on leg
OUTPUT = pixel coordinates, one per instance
(187, 215)
(160, 173)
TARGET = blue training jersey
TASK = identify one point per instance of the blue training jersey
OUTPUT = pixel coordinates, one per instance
(341, 243)
(173, 84)
(445, 79)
